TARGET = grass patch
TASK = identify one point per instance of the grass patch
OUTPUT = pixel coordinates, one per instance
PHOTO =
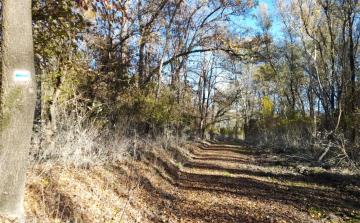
(318, 171)
(179, 166)
(317, 213)
(227, 174)
(242, 150)
(297, 184)
(109, 168)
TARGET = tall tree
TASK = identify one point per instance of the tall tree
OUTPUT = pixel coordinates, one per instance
(18, 104)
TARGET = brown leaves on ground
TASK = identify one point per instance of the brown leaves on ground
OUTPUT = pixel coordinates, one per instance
(224, 183)
(219, 183)
(8, 219)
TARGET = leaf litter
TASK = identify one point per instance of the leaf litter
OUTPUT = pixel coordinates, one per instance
(215, 183)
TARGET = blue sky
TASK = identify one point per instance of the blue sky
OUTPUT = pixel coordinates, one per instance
(251, 22)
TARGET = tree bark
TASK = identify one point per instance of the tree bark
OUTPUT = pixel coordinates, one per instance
(312, 100)
(18, 104)
(123, 39)
(352, 62)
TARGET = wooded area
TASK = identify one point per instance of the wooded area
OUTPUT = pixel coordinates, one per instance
(118, 78)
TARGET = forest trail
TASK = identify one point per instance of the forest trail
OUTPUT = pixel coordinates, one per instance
(222, 182)
(225, 182)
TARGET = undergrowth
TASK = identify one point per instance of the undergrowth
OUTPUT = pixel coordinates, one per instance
(94, 161)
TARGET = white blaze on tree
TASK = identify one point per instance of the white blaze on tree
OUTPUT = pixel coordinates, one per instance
(18, 99)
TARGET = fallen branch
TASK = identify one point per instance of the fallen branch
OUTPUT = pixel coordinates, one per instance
(299, 157)
(324, 153)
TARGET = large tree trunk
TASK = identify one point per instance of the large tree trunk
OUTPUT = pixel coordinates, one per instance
(352, 79)
(18, 103)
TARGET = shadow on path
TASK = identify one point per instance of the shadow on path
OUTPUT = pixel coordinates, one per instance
(223, 183)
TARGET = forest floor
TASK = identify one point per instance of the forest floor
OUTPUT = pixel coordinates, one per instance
(223, 182)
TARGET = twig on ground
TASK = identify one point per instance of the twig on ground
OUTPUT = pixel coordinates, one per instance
(124, 208)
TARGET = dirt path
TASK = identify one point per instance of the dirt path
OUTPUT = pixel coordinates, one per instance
(234, 183)
(222, 182)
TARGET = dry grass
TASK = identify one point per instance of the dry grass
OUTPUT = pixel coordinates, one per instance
(91, 174)
(99, 194)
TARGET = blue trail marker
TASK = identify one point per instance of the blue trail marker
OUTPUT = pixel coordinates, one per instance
(22, 75)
